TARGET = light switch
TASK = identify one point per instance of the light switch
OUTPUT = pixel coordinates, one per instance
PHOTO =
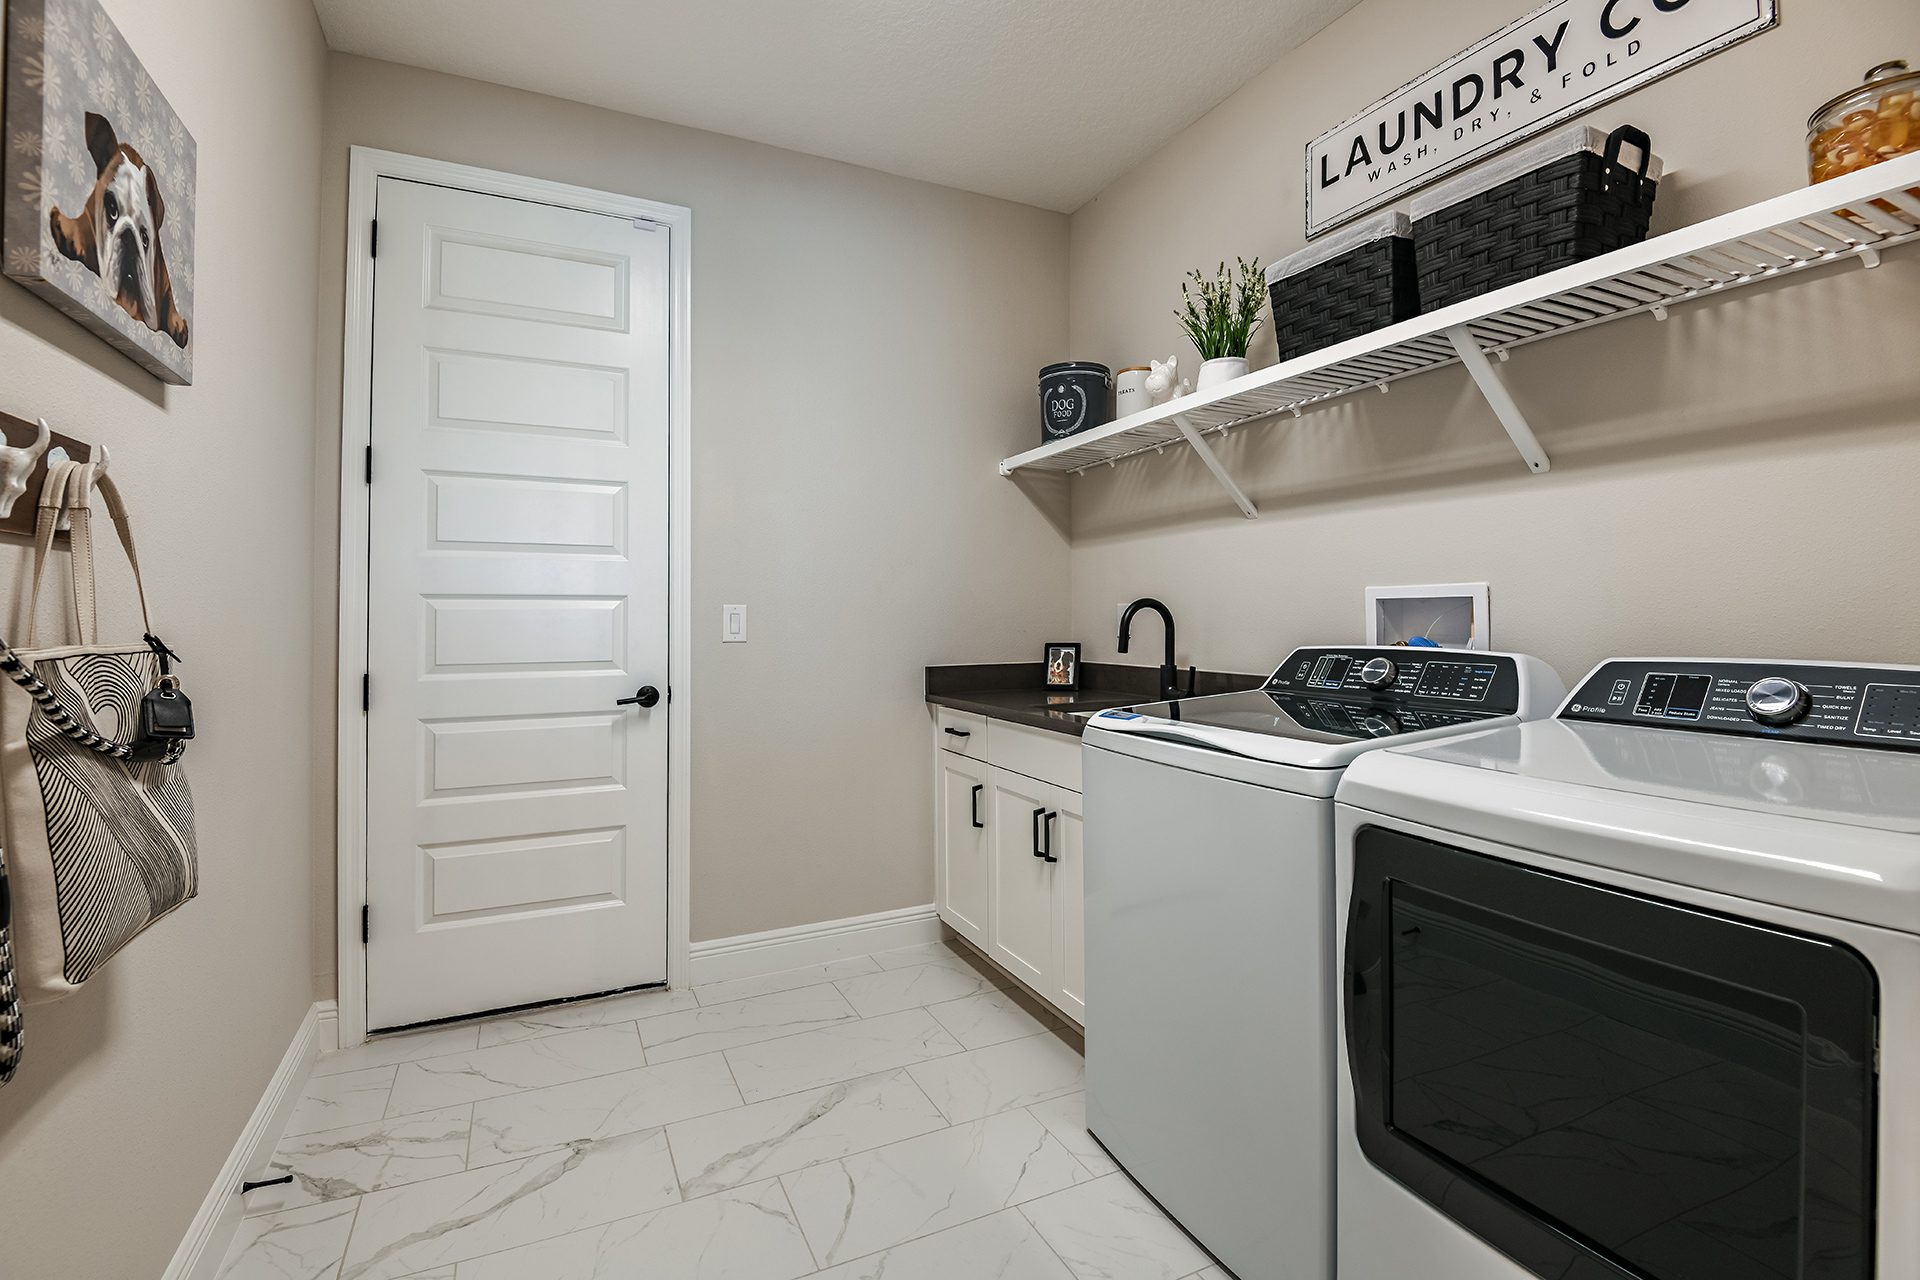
(733, 624)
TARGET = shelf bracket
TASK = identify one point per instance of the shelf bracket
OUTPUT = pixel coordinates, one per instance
(1214, 465)
(1499, 399)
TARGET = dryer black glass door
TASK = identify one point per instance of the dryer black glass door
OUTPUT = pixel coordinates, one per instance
(1604, 1085)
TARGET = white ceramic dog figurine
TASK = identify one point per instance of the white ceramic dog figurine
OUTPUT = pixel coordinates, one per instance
(1164, 381)
(16, 467)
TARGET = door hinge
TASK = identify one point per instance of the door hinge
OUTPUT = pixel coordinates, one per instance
(373, 240)
(366, 691)
(369, 464)
(365, 914)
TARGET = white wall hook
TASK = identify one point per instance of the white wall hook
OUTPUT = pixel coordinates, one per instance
(1383, 387)
(17, 466)
(1869, 255)
(1501, 355)
(1659, 312)
(1295, 408)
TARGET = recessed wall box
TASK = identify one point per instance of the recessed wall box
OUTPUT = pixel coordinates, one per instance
(1452, 614)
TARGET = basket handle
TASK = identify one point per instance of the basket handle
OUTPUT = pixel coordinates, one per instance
(1640, 141)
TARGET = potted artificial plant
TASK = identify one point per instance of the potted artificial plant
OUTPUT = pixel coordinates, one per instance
(1221, 316)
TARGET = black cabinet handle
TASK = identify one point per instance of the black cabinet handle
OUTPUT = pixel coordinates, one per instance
(1043, 834)
(977, 789)
(1037, 815)
(958, 733)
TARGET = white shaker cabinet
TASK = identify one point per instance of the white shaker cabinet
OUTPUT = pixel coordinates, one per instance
(1009, 861)
(1070, 912)
(963, 793)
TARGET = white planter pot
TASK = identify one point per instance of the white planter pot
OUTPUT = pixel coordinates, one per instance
(1215, 372)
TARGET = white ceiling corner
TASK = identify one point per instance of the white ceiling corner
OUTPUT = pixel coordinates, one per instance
(1040, 101)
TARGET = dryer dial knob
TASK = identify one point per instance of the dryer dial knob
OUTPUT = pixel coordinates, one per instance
(1380, 673)
(1778, 701)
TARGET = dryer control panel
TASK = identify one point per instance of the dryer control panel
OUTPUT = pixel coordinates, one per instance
(1800, 701)
(1487, 684)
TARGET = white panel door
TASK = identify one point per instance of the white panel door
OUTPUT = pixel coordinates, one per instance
(516, 814)
(965, 844)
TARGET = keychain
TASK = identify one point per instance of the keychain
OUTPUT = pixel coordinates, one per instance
(166, 714)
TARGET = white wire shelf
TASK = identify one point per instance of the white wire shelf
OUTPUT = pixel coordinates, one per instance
(1850, 219)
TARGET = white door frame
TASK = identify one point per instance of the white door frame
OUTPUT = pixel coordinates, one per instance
(366, 168)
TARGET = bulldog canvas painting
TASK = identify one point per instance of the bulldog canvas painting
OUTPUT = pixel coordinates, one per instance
(99, 184)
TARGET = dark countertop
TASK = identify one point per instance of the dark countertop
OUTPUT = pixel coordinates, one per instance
(1013, 691)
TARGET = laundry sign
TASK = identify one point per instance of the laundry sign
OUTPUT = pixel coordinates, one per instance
(1556, 62)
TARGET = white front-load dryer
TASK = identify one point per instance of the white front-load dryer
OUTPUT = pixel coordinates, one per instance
(1209, 929)
(1634, 993)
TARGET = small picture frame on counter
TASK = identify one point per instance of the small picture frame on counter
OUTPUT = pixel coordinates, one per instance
(1062, 665)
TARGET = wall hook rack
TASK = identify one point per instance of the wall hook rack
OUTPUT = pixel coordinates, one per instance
(23, 467)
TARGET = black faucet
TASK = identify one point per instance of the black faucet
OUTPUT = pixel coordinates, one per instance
(1169, 672)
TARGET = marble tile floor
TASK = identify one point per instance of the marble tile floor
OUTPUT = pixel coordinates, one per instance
(903, 1115)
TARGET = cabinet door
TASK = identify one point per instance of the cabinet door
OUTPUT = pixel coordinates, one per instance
(1020, 915)
(963, 845)
(1069, 992)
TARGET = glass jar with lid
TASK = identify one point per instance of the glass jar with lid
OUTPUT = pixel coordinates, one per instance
(1867, 124)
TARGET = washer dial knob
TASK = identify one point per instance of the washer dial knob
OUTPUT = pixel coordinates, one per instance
(1380, 724)
(1777, 701)
(1379, 673)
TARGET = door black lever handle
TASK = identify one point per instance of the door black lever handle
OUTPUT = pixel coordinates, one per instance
(646, 696)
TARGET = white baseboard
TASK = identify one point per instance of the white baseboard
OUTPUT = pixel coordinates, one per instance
(204, 1247)
(752, 954)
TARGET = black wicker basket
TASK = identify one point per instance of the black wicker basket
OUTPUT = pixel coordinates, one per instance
(1578, 206)
(1344, 287)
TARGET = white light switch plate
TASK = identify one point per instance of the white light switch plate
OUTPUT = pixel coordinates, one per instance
(733, 624)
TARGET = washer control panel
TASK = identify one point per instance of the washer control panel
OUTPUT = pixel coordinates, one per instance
(1808, 702)
(1487, 683)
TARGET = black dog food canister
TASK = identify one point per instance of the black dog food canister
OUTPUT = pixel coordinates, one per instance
(1074, 397)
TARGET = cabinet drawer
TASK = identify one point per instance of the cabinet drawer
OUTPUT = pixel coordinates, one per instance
(1050, 757)
(960, 731)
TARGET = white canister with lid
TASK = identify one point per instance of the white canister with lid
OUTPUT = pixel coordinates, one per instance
(1130, 390)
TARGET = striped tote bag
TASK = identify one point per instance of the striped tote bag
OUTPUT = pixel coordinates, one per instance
(99, 820)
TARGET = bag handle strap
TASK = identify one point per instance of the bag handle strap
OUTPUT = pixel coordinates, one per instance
(117, 511)
(68, 491)
(79, 512)
(11, 1034)
(56, 500)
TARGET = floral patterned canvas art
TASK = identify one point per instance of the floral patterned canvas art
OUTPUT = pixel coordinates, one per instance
(99, 184)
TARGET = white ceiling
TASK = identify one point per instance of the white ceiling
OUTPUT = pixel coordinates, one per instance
(1040, 101)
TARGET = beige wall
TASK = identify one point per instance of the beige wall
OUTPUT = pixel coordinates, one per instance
(862, 348)
(1740, 479)
(132, 1092)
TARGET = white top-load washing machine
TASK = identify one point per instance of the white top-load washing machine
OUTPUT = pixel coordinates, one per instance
(1209, 929)
(1634, 993)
